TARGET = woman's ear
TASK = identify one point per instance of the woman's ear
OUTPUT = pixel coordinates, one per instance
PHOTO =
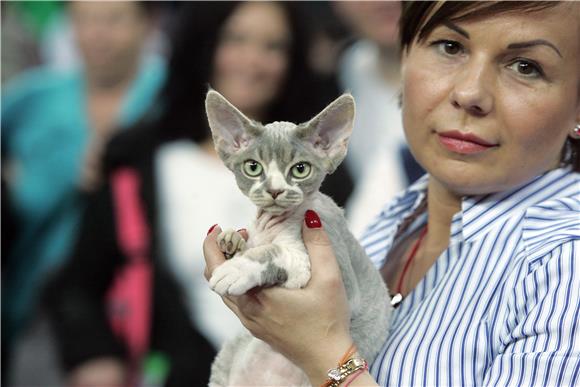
(575, 134)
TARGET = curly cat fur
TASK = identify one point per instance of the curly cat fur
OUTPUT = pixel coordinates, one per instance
(274, 253)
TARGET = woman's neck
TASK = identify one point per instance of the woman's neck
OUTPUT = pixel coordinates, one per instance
(104, 99)
(442, 205)
(103, 106)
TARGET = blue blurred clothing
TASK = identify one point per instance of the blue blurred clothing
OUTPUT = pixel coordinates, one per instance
(45, 130)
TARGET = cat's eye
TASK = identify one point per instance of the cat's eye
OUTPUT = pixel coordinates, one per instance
(252, 168)
(301, 170)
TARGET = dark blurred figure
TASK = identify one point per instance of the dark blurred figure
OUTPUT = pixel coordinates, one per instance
(8, 235)
(53, 125)
(370, 69)
(254, 53)
(330, 36)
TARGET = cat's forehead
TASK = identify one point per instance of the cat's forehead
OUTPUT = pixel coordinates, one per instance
(279, 129)
(278, 142)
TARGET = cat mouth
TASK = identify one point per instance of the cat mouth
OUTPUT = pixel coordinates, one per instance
(274, 208)
(273, 205)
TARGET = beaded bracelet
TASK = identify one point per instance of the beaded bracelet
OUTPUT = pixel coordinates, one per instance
(346, 367)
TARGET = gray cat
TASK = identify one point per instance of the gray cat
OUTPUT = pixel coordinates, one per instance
(280, 167)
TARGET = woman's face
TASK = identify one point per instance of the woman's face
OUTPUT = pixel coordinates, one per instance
(251, 59)
(487, 104)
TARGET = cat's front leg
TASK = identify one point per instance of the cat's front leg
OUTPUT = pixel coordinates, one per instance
(261, 266)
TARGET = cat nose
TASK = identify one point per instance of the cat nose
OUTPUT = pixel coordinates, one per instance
(275, 192)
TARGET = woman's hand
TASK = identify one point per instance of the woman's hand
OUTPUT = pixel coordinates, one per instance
(309, 326)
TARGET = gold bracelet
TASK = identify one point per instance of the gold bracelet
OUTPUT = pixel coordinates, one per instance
(338, 375)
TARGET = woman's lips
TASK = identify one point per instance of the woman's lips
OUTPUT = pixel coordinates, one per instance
(463, 143)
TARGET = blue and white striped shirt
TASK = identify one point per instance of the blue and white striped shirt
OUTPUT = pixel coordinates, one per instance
(501, 306)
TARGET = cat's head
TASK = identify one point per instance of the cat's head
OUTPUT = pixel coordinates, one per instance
(277, 165)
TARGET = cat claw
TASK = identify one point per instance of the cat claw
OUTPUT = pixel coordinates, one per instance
(236, 277)
(231, 242)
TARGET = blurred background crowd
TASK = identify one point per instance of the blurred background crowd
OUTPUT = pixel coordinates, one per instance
(91, 87)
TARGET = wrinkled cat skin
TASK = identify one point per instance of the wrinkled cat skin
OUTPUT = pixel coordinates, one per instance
(280, 167)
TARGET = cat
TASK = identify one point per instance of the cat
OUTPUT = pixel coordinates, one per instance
(280, 167)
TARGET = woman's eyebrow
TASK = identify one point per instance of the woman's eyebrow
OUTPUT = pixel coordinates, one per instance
(532, 43)
(518, 45)
(456, 28)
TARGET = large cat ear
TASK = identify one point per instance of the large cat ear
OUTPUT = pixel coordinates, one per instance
(330, 131)
(231, 130)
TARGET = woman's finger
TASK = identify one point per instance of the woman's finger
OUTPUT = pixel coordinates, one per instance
(246, 307)
(318, 245)
(211, 252)
(231, 303)
(244, 233)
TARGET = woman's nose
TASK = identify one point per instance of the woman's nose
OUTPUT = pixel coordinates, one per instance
(252, 54)
(473, 89)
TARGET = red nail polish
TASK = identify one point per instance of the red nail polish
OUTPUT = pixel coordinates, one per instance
(211, 229)
(312, 219)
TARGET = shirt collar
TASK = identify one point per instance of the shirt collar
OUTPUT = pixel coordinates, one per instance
(479, 214)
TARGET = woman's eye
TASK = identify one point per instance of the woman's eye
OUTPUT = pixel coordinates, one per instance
(526, 68)
(448, 47)
(301, 170)
(252, 168)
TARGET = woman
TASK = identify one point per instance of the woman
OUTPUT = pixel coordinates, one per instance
(255, 53)
(483, 251)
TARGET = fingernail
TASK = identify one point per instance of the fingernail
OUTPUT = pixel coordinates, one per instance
(241, 229)
(312, 219)
(211, 229)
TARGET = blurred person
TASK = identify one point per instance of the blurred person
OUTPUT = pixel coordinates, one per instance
(53, 127)
(330, 36)
(255, 54)
(370, 70)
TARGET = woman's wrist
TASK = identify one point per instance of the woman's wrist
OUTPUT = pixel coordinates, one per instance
(325, 357)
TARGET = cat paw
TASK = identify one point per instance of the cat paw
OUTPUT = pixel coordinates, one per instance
(236, 277)
(231, 242)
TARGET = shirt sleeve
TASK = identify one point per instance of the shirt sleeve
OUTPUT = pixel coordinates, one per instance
(540, 340)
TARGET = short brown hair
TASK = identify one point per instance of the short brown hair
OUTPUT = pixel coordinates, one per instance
(419, 18)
